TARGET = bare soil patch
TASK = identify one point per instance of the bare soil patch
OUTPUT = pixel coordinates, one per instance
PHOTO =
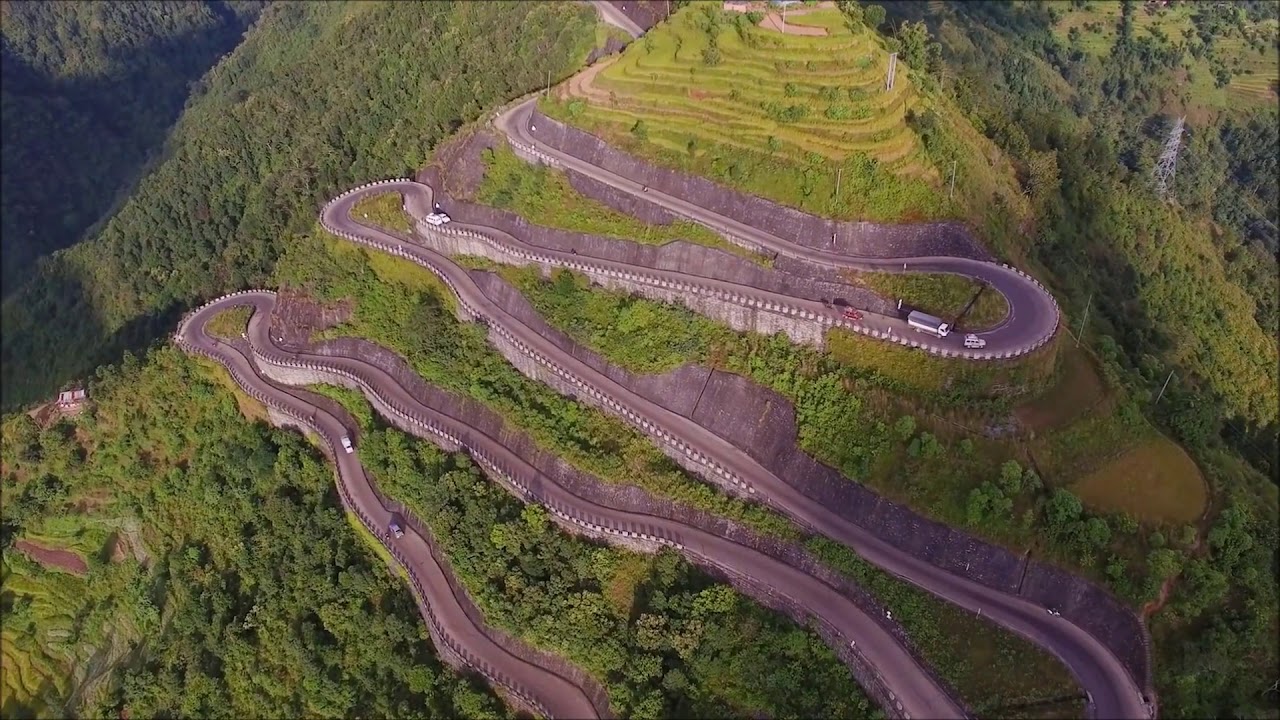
(64, 560)
(298, 317)
(773, 21)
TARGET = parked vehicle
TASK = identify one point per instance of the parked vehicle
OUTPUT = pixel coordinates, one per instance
(1053, 611)
(974, 342)
(852, 314)
(346, 445)
(925, 323)
(396, 529)
(437, 218)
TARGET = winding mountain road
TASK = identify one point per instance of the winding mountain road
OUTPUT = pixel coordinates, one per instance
(1033, 312)
(910, 690)
(542, 690)
(1113, 692)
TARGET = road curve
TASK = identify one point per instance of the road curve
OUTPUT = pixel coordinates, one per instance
(1113, 691)
(615, 17)
(1033, 312)
(542, 690)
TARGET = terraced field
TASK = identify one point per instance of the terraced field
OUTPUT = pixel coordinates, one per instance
(1254, 72)
(778, 114)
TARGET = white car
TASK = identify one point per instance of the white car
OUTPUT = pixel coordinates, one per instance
(974, 342)
(346, 445)
(437, 219)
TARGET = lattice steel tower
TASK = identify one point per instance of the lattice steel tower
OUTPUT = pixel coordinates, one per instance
(1168, 163)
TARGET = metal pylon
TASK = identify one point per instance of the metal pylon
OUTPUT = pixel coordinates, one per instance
(1165, 168)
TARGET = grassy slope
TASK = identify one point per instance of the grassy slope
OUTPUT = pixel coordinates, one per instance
(543, 196)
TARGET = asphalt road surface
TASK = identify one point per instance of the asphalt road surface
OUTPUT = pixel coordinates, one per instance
(1112, 691)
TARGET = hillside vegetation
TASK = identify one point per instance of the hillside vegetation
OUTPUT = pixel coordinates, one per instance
(318, 98)
(223, 578)
(89, 90)
(405, 308)
(790, 117)
(1183, 293)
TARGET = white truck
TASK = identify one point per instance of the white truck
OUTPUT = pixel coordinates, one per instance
(925, 323)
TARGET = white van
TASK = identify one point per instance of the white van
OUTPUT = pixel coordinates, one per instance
(974, 342)
(346, 445)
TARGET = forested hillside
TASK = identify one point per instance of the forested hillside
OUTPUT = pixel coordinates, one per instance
(89, 90)
(1188, 286)
(1182, 295)
(319, 97)
(219, 575)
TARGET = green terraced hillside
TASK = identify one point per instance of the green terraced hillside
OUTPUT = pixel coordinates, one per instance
(786, 116)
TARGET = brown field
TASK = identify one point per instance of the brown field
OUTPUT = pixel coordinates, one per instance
(1156, 482)
(53, 559)
(1079, 389)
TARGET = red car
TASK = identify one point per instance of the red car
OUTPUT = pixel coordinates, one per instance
(852, 314)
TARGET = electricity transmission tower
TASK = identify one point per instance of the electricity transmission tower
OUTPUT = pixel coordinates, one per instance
(1168, 163)
(893, 69)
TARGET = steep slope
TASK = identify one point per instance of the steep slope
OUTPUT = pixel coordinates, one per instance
(1182, 294)
(796, 111)
(320, 96)
(88, 91)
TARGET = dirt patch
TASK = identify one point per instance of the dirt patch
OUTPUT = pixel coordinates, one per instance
(581, 85)
(1155, 482)
(457, 165)
(118, 549)
(297, 317)
(773, 21)
(64, 560)
(1080, 390)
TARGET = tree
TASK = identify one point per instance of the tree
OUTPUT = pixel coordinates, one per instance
(1062, 510)
(1096, 533)
(1164, 563)
(873, 16)
(1011, 477)
(905, 427)
(1043, 177)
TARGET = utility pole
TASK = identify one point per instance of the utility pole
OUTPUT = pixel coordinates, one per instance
(893, 68)
(951, 195)
(839, 172)
(1166, 384)
(1084, 319)
(548, 92)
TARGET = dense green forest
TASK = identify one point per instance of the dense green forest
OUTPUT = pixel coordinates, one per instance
(318, 98)
(666, 640)
(1189, 286)
(247, 594)
(1183, 292)
(88, 91)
